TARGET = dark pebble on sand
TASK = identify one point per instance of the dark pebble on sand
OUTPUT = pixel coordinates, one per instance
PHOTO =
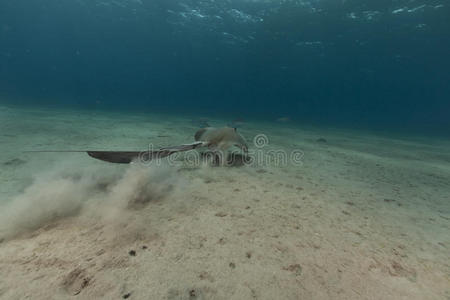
(126, 296)
(192, 294)
(144, 247)
(296, 269)
(232, 265)
(132, 253)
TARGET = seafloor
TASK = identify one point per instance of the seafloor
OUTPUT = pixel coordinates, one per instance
(358, 215)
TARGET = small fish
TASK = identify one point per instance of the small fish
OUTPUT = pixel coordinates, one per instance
(284, 119)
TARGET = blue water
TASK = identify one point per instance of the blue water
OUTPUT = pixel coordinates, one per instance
(357, 63)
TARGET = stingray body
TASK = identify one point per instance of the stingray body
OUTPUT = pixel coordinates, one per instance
(221, 139)
(216, 139)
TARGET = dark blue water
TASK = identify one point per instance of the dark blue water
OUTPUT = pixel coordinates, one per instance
(359, 63)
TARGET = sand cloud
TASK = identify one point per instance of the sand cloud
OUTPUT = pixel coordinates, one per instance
(94, 192)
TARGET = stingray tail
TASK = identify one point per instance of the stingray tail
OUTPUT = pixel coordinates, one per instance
(126, 157)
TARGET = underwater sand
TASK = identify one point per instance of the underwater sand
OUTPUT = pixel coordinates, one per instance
(362, 217)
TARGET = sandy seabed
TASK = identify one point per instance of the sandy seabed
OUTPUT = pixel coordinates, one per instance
(361, 216)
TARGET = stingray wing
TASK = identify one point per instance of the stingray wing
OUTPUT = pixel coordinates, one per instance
(118, 157)
(126, 157)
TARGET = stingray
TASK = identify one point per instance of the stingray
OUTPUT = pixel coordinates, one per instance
(221, 139)
(217, 140)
